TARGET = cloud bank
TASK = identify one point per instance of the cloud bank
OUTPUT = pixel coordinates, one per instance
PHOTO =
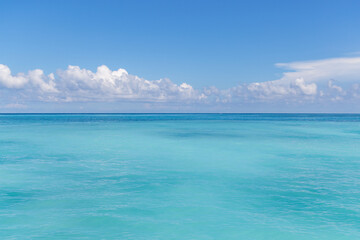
(307, 82)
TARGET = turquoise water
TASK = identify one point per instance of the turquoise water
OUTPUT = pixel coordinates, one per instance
(180, 176)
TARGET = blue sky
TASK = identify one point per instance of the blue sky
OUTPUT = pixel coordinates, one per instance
(226, 45)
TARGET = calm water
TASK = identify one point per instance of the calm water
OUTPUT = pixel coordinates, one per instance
(189, 176)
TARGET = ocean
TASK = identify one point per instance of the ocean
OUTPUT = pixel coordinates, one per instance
(180, 176)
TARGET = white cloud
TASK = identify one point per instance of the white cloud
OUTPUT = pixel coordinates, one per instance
(76, 84)
(308, 89)
(104, 84)
(308, 80)
(44, 83)
(343, 69)
(331, 85)
(34, 79)
(10, 81)
(335, 79)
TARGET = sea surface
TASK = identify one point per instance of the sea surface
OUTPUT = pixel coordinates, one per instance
(180, 176)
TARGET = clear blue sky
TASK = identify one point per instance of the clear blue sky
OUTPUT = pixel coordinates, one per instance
(202, 43)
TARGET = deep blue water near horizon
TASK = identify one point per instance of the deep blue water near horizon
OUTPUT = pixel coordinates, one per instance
(180, 176)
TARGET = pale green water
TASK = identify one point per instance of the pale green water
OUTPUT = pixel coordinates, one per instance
(168, 176)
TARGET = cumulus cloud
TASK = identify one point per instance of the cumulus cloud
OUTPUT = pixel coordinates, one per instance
(77, 84)
(34, 79)
(335, 79)
(306, 81)
(10, 81)
(104, 84)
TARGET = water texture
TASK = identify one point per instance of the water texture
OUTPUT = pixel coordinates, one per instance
(180, 176)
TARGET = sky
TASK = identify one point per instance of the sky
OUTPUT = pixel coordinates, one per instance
(179, 56)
